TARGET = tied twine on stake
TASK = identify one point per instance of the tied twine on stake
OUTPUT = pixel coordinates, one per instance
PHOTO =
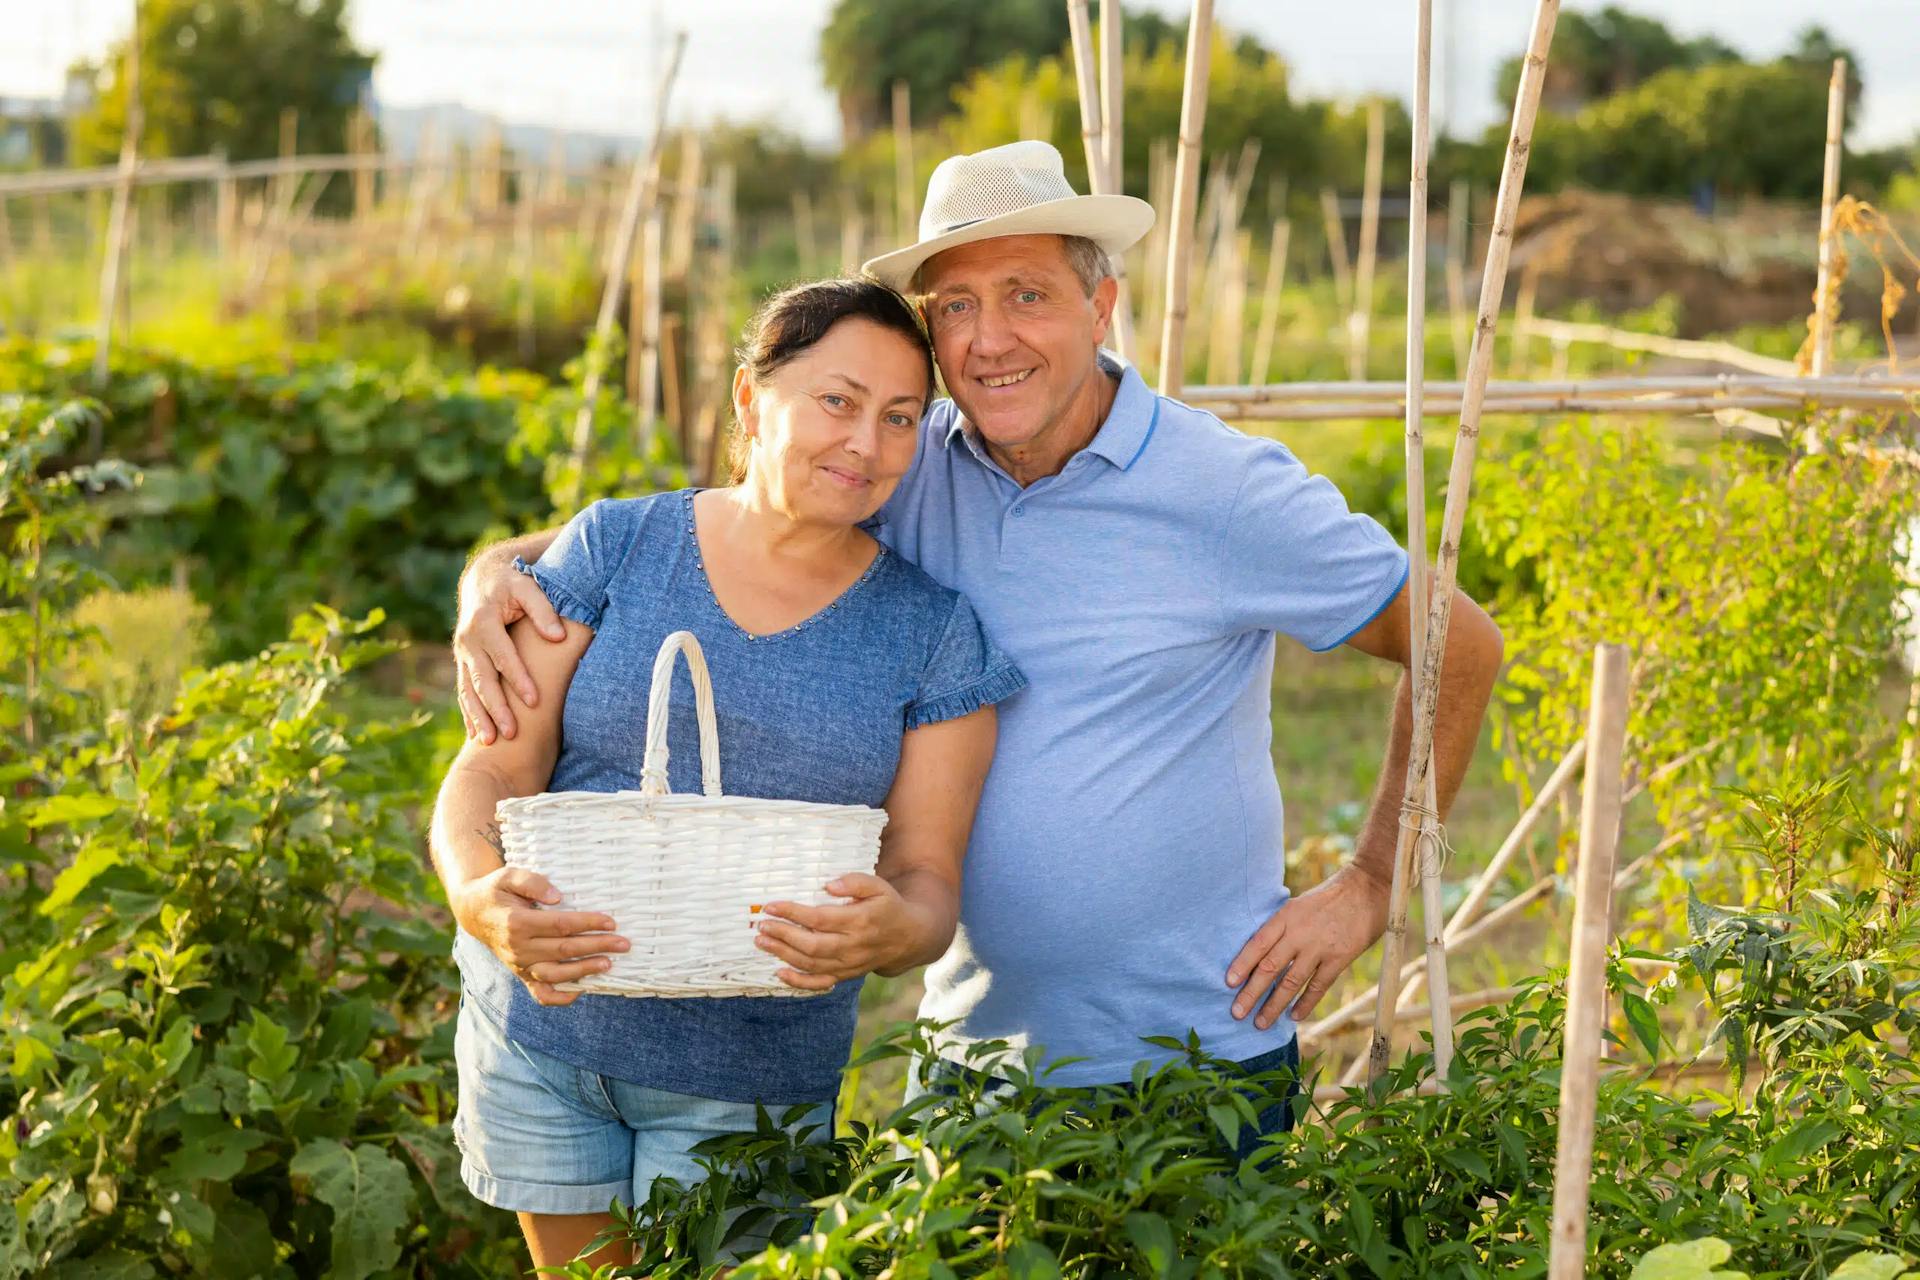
(1433, 847)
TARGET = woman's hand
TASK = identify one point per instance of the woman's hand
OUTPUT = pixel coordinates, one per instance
(493, 596)
(825, 945)
(543, 948)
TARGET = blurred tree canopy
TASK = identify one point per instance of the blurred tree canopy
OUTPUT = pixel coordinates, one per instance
(218, 75)
(1598, 55)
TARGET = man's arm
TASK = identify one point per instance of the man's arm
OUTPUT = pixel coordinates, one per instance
(493, 596)
(1313, 938)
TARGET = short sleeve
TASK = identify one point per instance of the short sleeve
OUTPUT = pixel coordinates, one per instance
(965, 673)
(1298, 561)
(577, 569)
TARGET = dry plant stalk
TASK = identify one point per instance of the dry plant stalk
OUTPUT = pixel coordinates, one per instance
(1459, 487)
(1186, 191)
(1587, 975)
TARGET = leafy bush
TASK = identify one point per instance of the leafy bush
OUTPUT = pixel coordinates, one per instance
(1816, 1165)
(227, 1021)
(349, 484)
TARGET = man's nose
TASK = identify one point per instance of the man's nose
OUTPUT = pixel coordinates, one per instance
(992, 335)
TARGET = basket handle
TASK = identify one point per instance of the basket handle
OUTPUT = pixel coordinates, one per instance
(653, 768)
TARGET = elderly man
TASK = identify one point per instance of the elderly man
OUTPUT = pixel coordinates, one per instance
(1137, 558)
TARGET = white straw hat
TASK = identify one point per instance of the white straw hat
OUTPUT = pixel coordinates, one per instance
(1016, 190)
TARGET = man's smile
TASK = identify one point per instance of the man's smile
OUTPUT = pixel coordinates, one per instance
(1005, 379)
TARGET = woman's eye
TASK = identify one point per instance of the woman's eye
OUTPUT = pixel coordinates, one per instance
(900, 420)
(833, 401)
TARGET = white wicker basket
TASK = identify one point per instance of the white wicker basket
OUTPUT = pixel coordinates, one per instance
(684, 876)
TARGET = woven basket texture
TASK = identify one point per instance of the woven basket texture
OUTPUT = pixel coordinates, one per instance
(684, 877)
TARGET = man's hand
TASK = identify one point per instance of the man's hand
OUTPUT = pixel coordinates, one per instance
(543, 948)
(1306, 946)
(824, 945)
(493, 596)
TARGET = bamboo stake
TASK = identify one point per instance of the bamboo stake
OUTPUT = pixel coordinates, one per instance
(673, 408)
(1518, 346)
(1160, 196)
(853, 234)
(686, 206)
(1457, 271)
(1587, 974)
(1460, 481)
(360, 143)
(1186, 191)
(116, 244)
(1112, 122)
(647, 382)
(1684, 348)
(1425, 811)
(1270, 300)
(642, 187)
(908, 199)
(1337, 251)
(1826, 290)
(1087, 79)
(1360, 320)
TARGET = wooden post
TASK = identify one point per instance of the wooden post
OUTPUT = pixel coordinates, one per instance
(1229, 308)
(360, 144)
(1113, 91)
(1360, 322)
(806, 244)
(672, 410)
(1270, 301)
(686, 205)
(1186, 192)
(523, 203)
(853, 233)
(907, 208)
(1425, 813)
(647, 380)
(1459, 487)
(1337, 251)
(642, 185)
(116, 245)
(1457, 197)
(1826, 291)
(1587, 973)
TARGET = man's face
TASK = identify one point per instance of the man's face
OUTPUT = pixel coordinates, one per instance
(1014, 332)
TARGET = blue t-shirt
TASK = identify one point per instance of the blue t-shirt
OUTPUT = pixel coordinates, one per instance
(813, 713)
(1130, 840)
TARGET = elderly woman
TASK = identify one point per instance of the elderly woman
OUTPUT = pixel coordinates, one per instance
(842, 673)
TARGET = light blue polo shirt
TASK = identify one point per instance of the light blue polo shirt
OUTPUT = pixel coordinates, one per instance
(1130, 837)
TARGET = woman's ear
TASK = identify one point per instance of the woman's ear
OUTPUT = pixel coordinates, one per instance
(743, 410)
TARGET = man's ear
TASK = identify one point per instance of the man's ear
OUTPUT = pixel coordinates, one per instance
(743, 401)
(1105, 295)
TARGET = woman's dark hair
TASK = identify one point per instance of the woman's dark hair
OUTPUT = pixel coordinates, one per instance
(793, 320)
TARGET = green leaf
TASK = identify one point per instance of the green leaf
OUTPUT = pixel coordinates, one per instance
(73, 807)
(1644, 1021)
(93, 861)
(1687, 1260)
(1872, 1266)
(370, 1195)
(110, 1265)
(1227, 1120)
(1152, 1236)
(1029, 1260)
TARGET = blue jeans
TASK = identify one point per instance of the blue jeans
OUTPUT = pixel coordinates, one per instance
(941, 1076)
(538, 1135)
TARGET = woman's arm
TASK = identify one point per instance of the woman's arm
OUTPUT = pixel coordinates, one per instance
(496, 903)
(904, 916)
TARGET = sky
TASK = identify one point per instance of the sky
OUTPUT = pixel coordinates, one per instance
(587, 64)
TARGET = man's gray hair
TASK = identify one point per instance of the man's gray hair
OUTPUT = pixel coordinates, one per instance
(1089, 261)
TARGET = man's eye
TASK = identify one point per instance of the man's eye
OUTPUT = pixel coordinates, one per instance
(1029, 295)
(953, 308)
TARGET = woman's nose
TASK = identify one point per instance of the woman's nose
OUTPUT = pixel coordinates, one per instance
(863, 437)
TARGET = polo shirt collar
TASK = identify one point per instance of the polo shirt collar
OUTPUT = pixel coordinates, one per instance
(1122, 438)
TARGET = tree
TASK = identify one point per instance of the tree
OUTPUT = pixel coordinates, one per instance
(933, 45)
(218, 75)
(1598, 55)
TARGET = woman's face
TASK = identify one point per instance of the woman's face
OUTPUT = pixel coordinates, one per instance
(835, 428)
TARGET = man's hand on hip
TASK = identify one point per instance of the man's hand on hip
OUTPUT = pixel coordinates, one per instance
(493, 596)
(1297, 956)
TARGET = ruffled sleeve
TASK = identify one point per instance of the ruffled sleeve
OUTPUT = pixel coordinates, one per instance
(966, 672)
(577, 568)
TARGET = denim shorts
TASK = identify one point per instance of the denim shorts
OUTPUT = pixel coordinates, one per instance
(941, 1076)
(538, 1135)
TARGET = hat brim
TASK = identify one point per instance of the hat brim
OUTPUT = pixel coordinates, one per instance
(1115, 223)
